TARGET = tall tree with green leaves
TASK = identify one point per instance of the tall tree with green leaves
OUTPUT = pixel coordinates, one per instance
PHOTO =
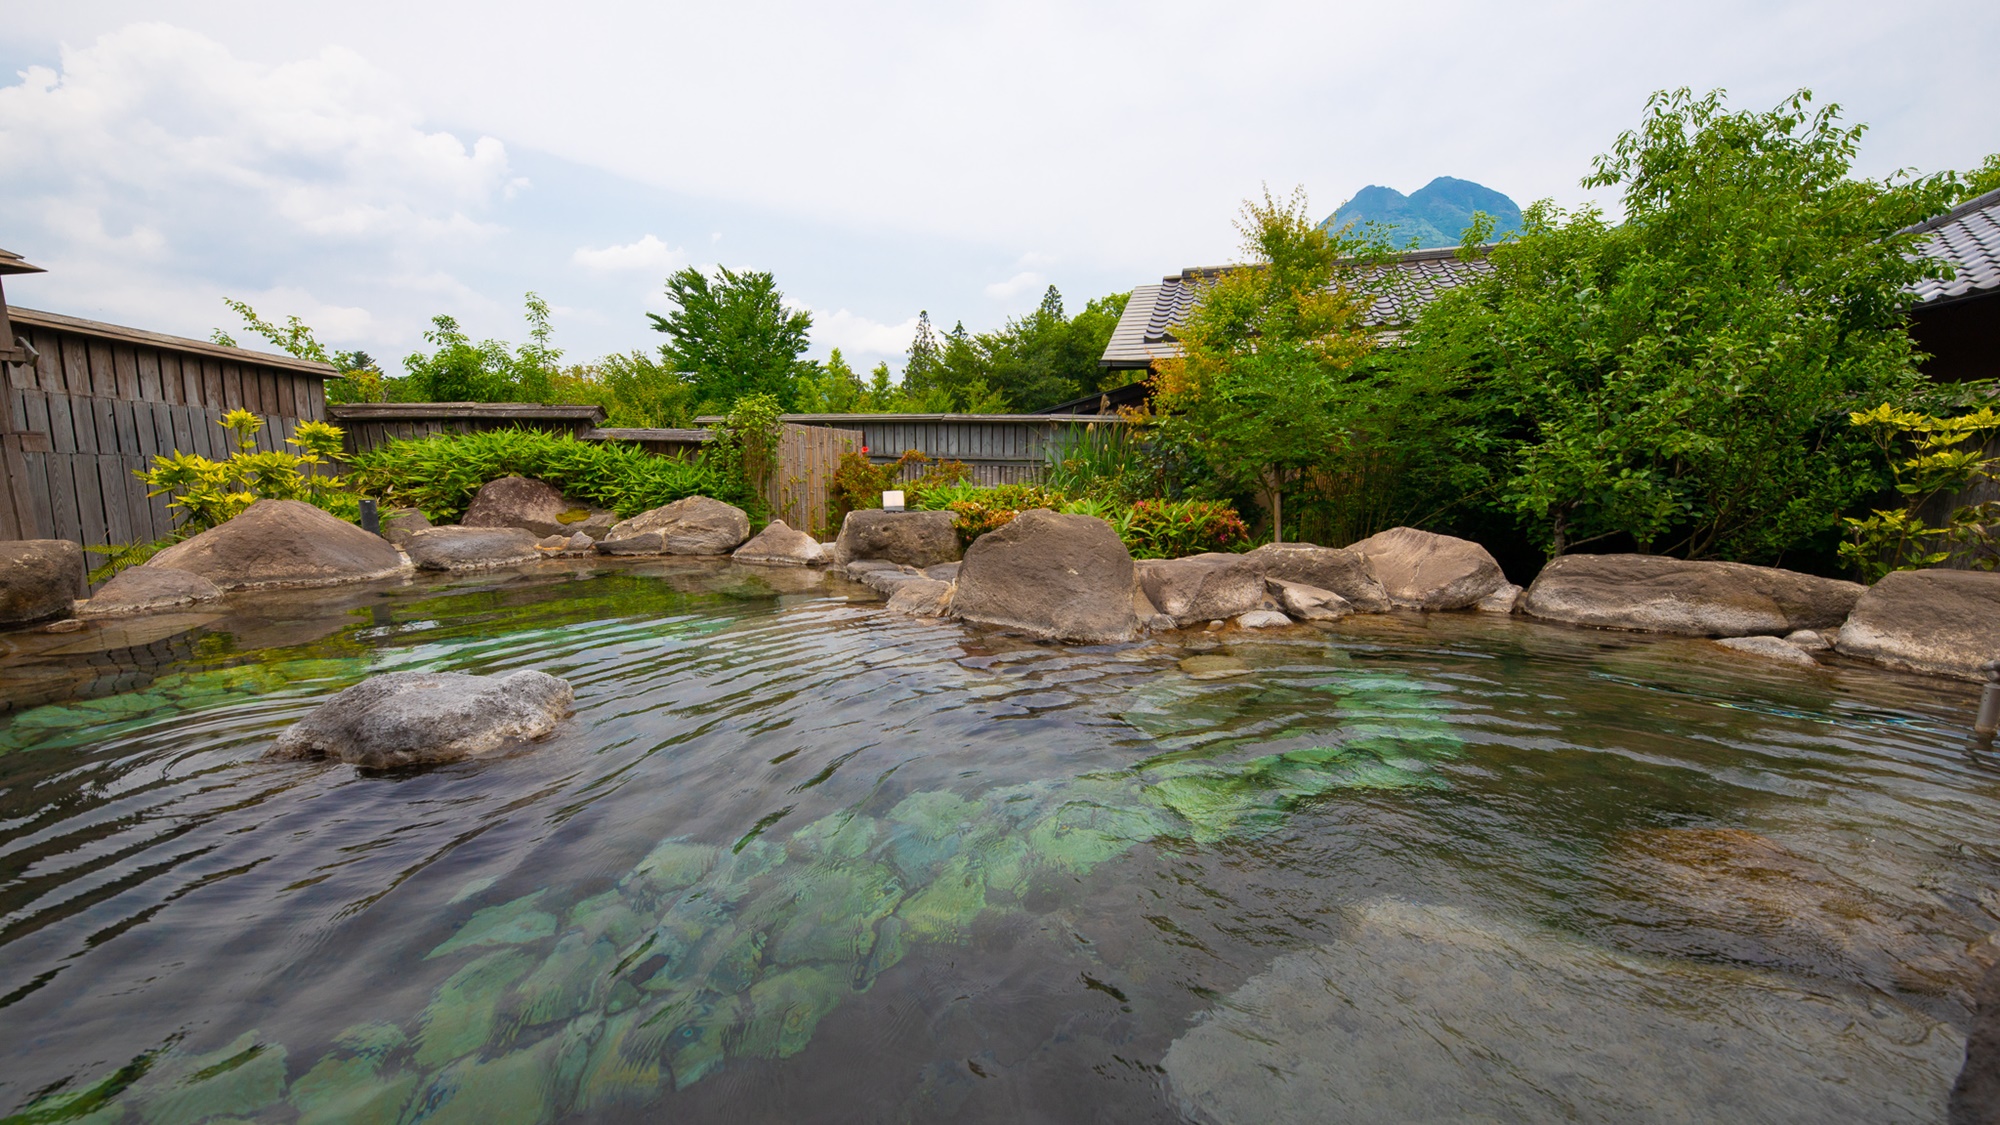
(1681, 382)
(1268, 354)
(732, 335)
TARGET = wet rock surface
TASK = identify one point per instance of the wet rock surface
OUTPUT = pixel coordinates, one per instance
(1308, 603)
(1202, 587)
(1424, 570)
(148, 589)
(39, 579)
(1342, 570)
(283, 543)
(427, 718)
(640, 543)
(399, 523)
(470, 548)
(1526, 1025)
(696, 525)
(1945, 622)
(918, 539)
(1769, 648)
(534, 506)
(921, 597)
(780, 545)
(1656, 594)
(1062, 577)
(1733, 894)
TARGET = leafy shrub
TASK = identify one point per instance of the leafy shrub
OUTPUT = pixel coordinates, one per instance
(858, 483)
(203, 493)
(1945, 454)
(441, 473)
(1099, 460)
(1151, 529)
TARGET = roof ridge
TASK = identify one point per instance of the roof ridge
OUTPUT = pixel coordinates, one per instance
(1978, 202)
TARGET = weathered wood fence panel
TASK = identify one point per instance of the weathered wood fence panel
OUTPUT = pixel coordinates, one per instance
(100, 401)
(807, 458)
(999, 448)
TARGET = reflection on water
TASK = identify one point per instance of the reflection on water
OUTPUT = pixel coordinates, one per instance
(800, 859)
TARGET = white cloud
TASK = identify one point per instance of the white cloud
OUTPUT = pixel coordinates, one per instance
(1027, 281)
(649, 253)
(154, 166)
(859, 337)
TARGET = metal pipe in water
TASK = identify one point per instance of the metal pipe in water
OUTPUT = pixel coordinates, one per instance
(1988, 723)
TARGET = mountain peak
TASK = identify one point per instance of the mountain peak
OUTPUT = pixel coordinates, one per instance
(1435, 215)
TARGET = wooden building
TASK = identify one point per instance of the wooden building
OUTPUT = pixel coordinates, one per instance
(1000, 448)
(87, 404)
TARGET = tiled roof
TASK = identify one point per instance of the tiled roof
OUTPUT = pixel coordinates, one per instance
(1968, 239)
(1145, 332)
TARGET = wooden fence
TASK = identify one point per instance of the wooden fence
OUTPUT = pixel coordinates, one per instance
(99, 401)
(1000, 448)
(807, 458)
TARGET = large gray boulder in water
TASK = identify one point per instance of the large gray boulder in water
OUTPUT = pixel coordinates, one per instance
(535, 506)
(1425, 570)
(918, 539)
(283, 543)
(1945, 622)
(696, 525)
(1064, 577)
(1200, 588)
(148, 589)
(470, 548)
(424, 718)
(39, 579)
(1656, 594)
(1341, 570)
(781, 545)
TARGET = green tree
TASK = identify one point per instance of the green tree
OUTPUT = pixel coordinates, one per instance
(923, 371)
(360, 379)
(732, 336)
(833, 388)
(1047, 357)
(1681, 382)
(1268, 354)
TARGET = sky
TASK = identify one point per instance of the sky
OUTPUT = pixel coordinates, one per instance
(369, 165)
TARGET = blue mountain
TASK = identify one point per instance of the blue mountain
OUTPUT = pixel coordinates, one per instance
(1435, 214)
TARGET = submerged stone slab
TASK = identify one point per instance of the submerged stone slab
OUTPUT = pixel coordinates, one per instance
(1945, 622)
(425, 718)
(39, 579)
(1769, 648)
(1429, 1013)
(283, 543)
(1655, 594)
(922, 597)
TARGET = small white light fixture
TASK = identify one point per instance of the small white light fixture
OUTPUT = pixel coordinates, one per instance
(892, 501)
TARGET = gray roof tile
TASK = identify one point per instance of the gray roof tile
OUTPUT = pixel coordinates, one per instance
(1967, 238)
(1145, 332)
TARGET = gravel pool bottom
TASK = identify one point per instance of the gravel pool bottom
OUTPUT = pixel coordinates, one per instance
(795, 858)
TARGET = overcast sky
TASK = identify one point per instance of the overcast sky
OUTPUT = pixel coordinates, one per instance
(368, 165)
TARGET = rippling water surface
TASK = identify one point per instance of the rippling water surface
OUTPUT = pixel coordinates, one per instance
(798, 859)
